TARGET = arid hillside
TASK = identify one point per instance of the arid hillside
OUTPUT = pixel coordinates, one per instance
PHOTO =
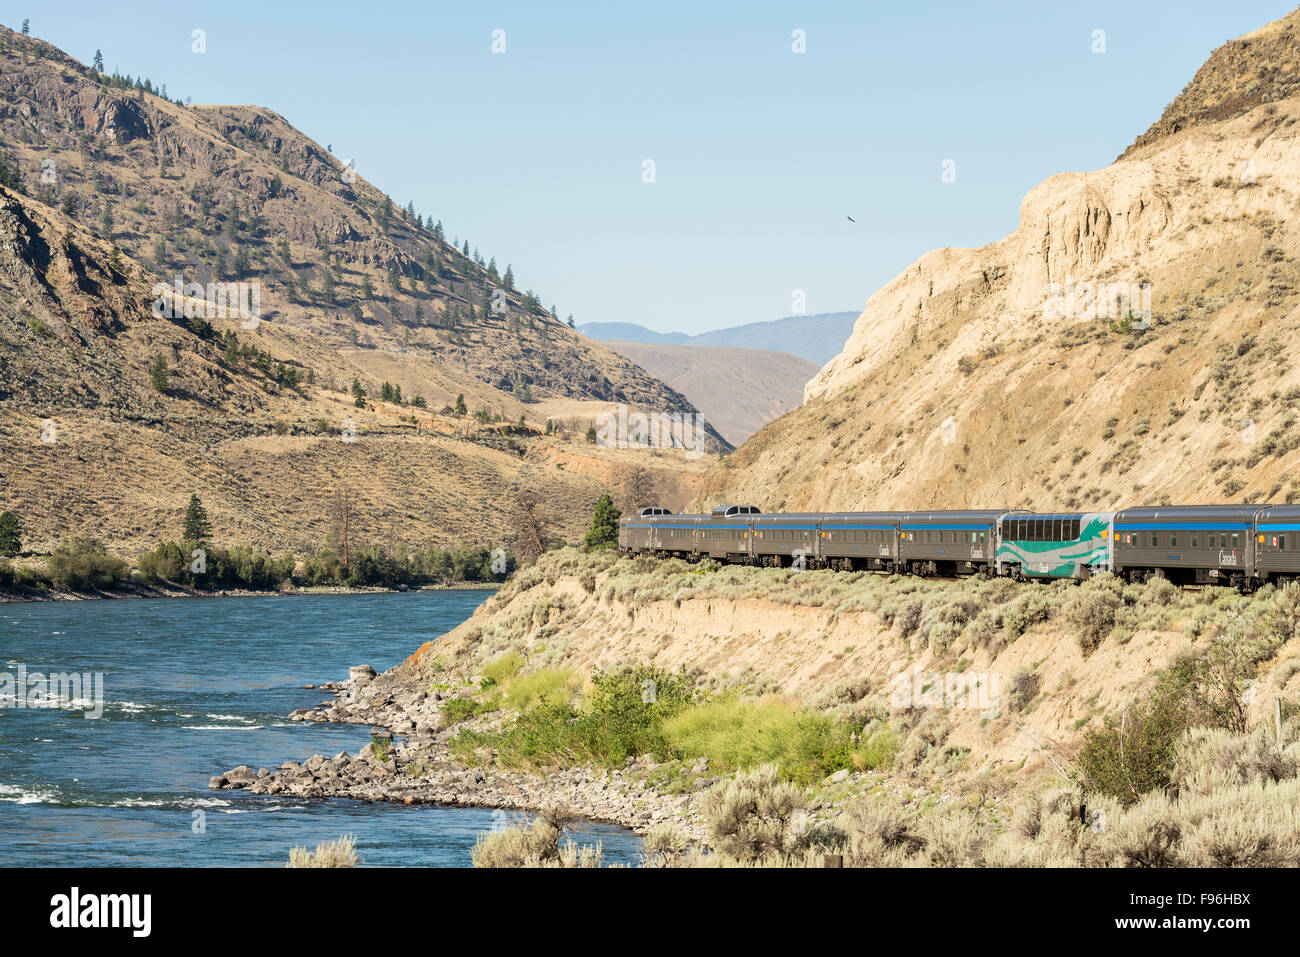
(370, 324)
(260, 423)
(1024, 373)
(737, 390)
(235, 193)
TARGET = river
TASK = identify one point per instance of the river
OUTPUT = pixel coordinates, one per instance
(191, 688)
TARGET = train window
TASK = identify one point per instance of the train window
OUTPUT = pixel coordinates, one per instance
(1281, 541)
(1194, 539)
(1236, 537)
(1173, 539)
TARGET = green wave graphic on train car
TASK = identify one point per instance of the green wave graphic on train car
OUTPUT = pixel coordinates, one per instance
(1062, 559)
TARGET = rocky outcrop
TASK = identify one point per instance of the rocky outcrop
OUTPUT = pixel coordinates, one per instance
(407, 761)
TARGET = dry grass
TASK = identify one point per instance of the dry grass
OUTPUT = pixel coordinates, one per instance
(340, 853)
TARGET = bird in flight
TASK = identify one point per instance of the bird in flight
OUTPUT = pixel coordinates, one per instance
(850, 219)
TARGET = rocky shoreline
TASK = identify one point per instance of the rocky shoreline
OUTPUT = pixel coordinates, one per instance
(409, 762)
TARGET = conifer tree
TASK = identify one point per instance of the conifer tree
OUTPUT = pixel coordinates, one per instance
(604, 524)
(197, 528)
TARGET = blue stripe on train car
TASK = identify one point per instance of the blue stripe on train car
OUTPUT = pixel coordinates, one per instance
(1280, 527)
(655, 525)
(981, 527)
(1180, 526)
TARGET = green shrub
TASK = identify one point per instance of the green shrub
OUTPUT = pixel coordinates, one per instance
(878, 748)
(1030, 607)
(752, 816)
(501, 670)
(803, 745)
(621, 717)
(543, 686)
(84, 562)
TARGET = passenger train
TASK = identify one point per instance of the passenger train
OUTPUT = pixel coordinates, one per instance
(1236, 545)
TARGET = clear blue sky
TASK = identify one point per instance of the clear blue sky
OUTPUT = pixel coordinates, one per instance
(535, 155)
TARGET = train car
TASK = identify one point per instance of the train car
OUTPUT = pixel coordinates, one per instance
(726, 533)
(1068, 545)
(782, 540)
(853, 540)
(959, 542)
(1188, 544)
(658, 531)
(1277, 544)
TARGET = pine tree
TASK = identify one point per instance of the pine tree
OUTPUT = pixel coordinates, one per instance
(461, 407)
(158, 374)
(604, 524)
(509, 278)
(98, 62)
(197, 529)
(11, 535)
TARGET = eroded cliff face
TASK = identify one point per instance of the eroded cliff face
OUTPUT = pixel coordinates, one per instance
(1024, 373)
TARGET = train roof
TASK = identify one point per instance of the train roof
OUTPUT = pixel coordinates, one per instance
(778, 517)
(862, 516)
(968, 515)
(664, 518)
(1057, 516)
(1189, 513)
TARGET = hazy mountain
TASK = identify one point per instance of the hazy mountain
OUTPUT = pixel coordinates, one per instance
(815, 338)
(630, 332)
(738, 390)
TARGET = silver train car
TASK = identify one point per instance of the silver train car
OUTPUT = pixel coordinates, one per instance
(1238, 545)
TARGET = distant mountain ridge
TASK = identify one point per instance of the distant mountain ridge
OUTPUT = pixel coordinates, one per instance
(738, 390)
(817, 338)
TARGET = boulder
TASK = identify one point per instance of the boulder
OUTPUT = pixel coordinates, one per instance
(361, 675)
